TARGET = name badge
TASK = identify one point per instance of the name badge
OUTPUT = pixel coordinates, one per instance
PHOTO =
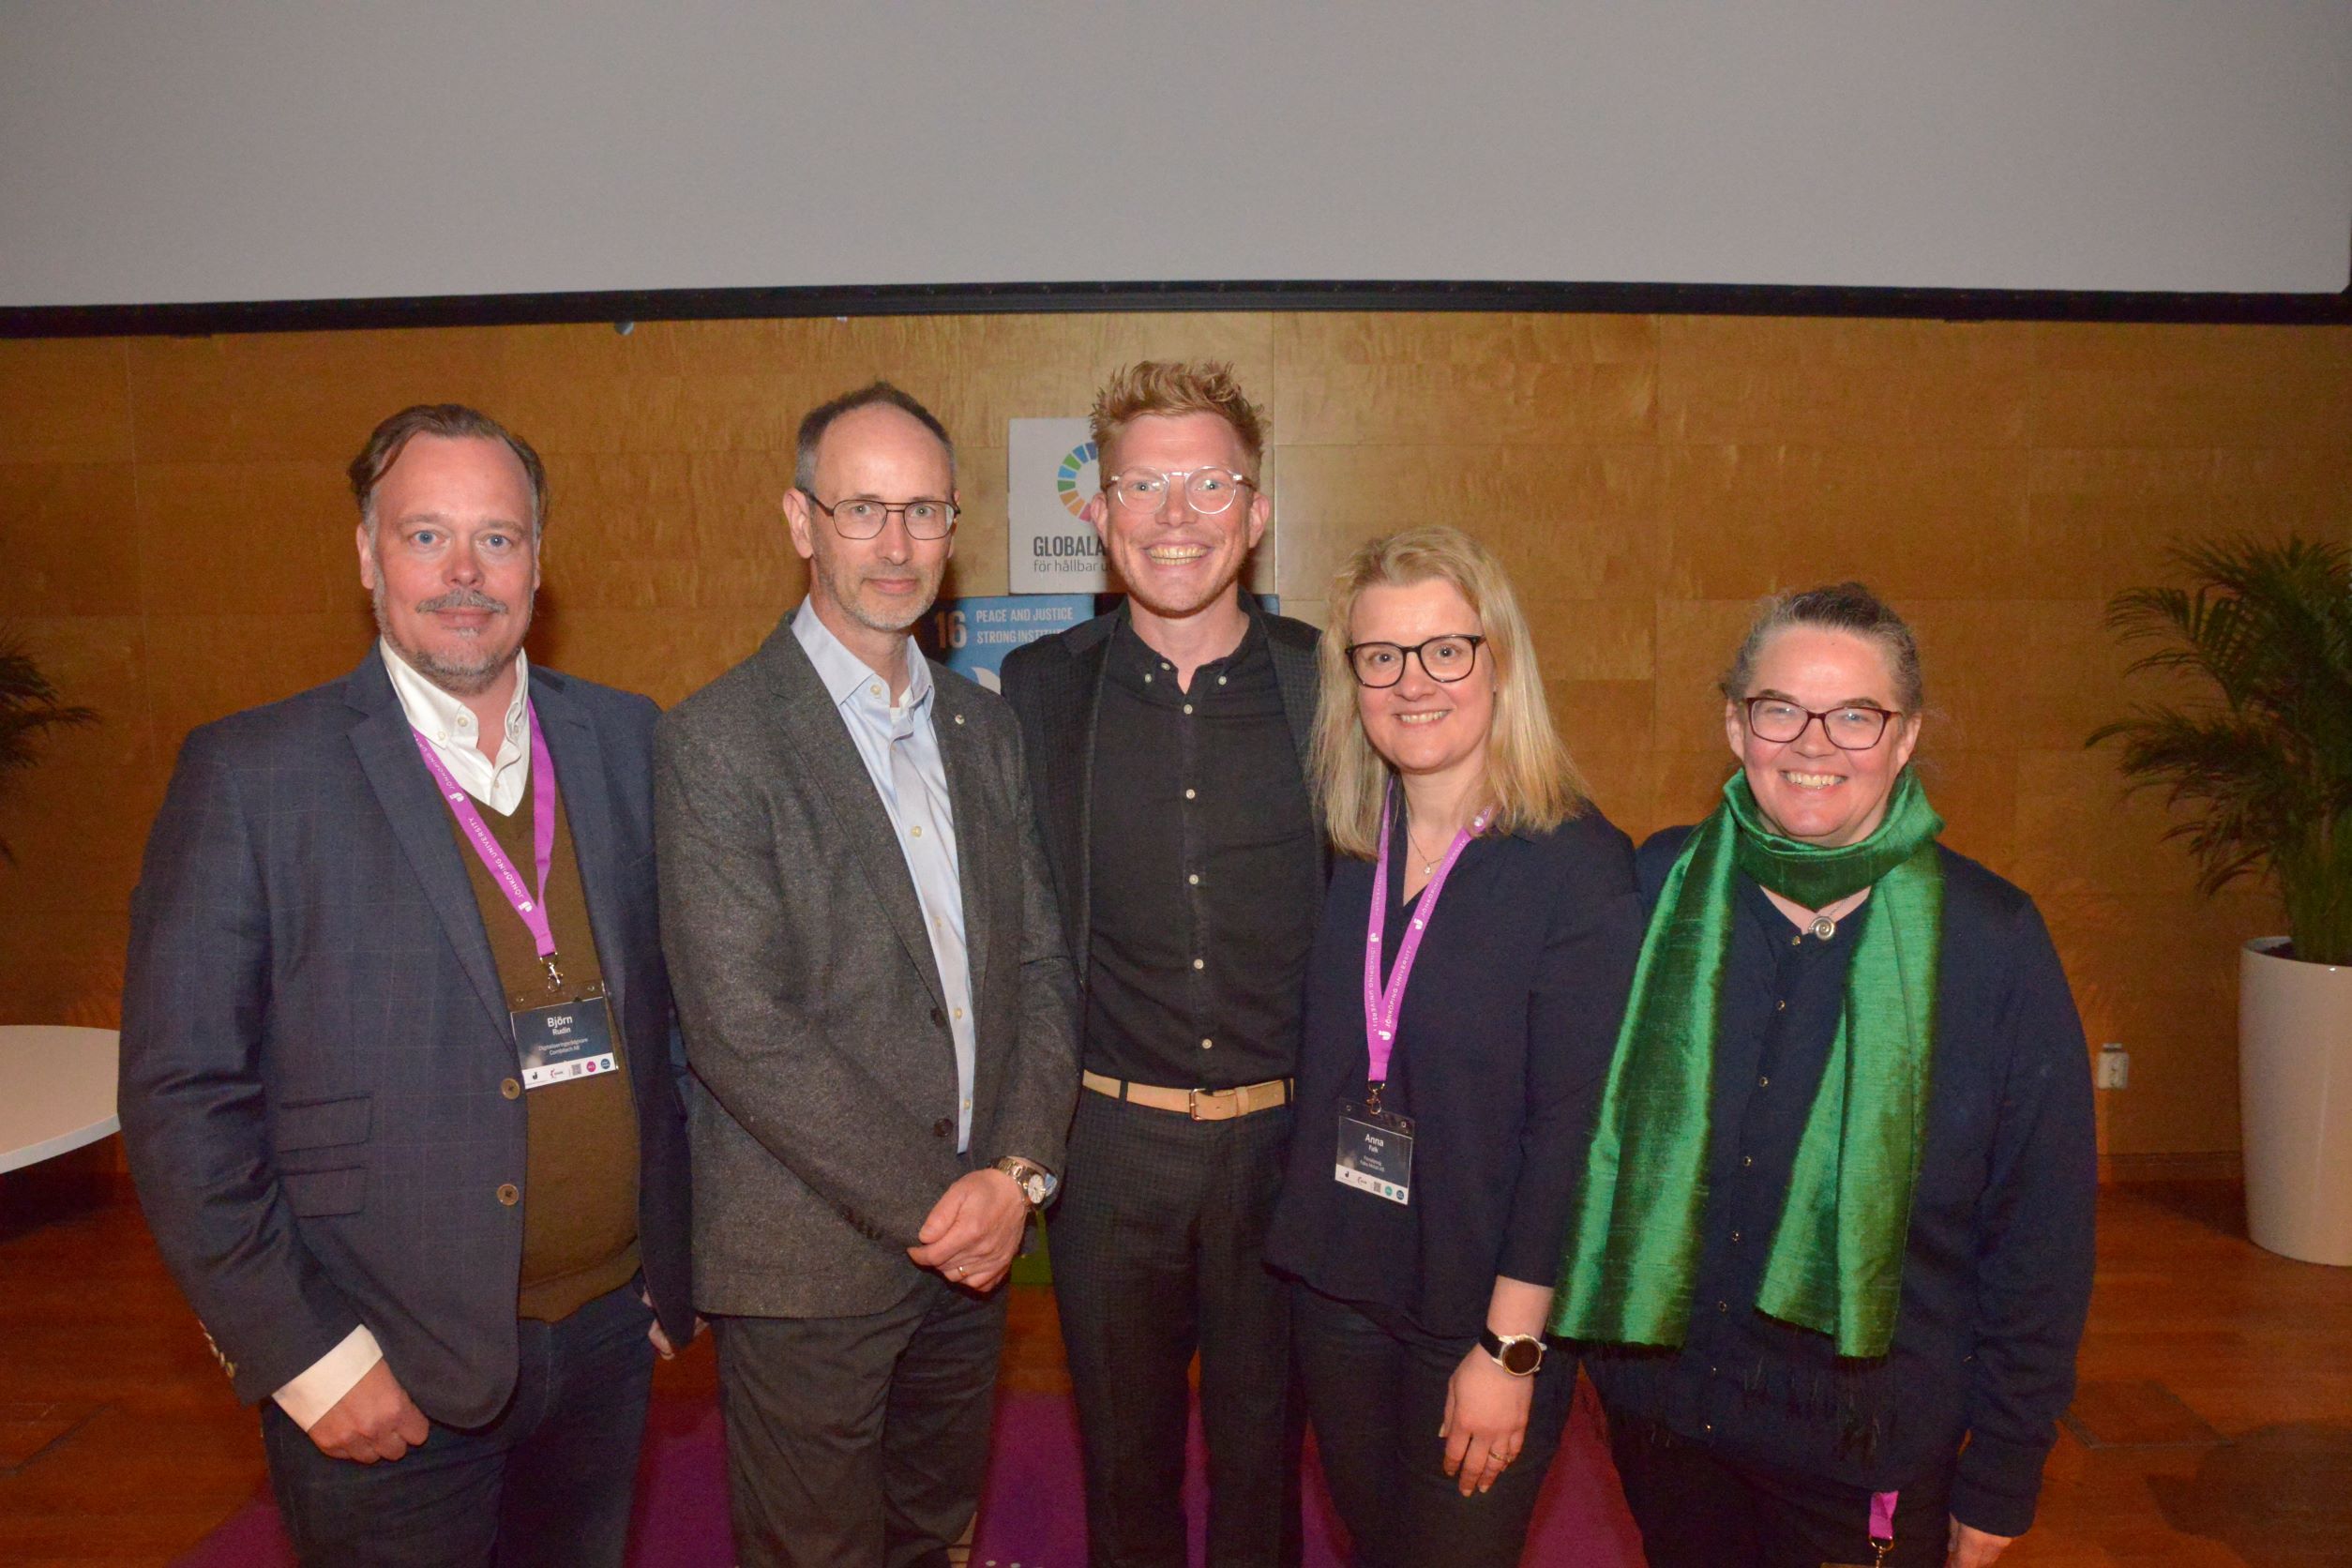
(565, 1040)
(1376, 1152)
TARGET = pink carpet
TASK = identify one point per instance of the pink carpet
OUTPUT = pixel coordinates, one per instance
(1030, 1516)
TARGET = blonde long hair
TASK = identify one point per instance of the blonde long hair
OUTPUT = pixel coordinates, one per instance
(1530, 780)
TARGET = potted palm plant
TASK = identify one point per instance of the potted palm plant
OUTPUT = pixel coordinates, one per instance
(2262, 769)
(29, 707)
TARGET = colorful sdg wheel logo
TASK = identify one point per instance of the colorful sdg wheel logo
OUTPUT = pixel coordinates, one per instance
(1065, 481)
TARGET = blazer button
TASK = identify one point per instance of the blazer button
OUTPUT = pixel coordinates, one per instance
(939, 1020)
(509, 1194)
(941, 1127)
(509, 1088)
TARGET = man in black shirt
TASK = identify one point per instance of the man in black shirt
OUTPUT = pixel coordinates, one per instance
(1167, 746)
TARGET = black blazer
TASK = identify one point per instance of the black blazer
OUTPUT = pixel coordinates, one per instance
(1503, 1048)
(314, 1035)
(1997, 1275)
(1055, 686)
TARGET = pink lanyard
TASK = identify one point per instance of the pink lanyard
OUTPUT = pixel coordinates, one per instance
(494, 860)
(1382, 1004)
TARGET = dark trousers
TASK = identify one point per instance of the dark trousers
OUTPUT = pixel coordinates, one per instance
(1376, 1399)
(1698, 1510)
(1159, 1251)
(859, 1442)
(548, 1482)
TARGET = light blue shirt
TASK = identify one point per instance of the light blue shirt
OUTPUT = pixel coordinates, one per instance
(900, 750)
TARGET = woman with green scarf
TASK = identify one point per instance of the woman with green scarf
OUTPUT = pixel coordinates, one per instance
(1832, 1249)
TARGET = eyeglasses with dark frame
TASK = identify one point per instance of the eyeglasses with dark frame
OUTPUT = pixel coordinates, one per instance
(1851, 727)
(1207, 491)
(859, 517)
(1381, 665)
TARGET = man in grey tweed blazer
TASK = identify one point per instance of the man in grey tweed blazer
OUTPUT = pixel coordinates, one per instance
(877, 1005)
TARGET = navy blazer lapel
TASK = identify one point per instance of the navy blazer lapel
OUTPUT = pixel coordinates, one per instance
(814, 728)
(420, 820)
(573, 747)
(976, 848)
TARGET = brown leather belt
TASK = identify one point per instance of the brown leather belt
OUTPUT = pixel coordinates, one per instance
(1201, 1104)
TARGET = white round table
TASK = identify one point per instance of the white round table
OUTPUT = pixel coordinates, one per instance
(56, 1090)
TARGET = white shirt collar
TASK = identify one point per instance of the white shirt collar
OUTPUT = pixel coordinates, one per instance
(846, 676)
(444, 720)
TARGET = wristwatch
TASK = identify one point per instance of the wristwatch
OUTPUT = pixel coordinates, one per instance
(1037, 1183)
(1519, 1354)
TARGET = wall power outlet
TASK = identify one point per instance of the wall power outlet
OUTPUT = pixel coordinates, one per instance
(2115, 1066)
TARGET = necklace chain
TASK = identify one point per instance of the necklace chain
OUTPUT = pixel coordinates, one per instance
(1429, 863)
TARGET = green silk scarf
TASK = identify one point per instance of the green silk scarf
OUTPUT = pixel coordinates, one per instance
(1836, 1257)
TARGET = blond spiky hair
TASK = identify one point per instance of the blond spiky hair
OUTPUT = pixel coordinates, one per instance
(1170, 386)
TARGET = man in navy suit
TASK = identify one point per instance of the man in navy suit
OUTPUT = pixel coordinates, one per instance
(397, 1083)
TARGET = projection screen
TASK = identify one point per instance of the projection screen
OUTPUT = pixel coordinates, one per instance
(238, 150)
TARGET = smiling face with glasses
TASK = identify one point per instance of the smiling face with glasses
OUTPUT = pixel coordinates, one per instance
(1424, 691)
(1178, 513)
(1821, 733)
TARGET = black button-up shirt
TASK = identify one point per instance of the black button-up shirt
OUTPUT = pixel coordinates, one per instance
(1204, 881)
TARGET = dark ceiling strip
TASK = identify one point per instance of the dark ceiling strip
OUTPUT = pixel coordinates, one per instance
(1731, 299)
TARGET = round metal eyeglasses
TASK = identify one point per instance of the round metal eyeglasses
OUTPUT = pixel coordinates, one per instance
(1381, 665)
(1206, 490)
(1856, 727)
(860, 518)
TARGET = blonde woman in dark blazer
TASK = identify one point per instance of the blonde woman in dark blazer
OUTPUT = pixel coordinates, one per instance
(1462, 997)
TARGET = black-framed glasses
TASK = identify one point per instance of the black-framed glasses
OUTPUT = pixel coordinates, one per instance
(861, 517)
(1855, 726)
(1207, 491)
(1442, 659)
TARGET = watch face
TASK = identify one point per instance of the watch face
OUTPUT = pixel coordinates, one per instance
(1033, 1188)
(1522, 1356)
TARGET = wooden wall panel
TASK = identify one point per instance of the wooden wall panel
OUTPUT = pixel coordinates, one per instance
(1916, 521)
(1845, 382)
(175, 539)
(65, 401)
(53, 561)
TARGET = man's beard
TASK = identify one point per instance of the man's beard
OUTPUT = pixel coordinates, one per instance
(843, 585)
(468, 676)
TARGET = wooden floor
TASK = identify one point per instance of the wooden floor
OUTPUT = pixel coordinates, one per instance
(2215, 1425)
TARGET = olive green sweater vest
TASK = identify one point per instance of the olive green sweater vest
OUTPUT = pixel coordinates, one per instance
(579, 1178)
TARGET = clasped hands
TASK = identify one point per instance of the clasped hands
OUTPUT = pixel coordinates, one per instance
(973, 1231)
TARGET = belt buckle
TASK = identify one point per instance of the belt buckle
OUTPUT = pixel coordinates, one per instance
(1193, 1097)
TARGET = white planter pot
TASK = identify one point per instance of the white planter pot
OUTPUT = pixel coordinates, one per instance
(2295, 1091)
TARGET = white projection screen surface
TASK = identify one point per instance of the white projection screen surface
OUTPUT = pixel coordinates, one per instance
(164, 152)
